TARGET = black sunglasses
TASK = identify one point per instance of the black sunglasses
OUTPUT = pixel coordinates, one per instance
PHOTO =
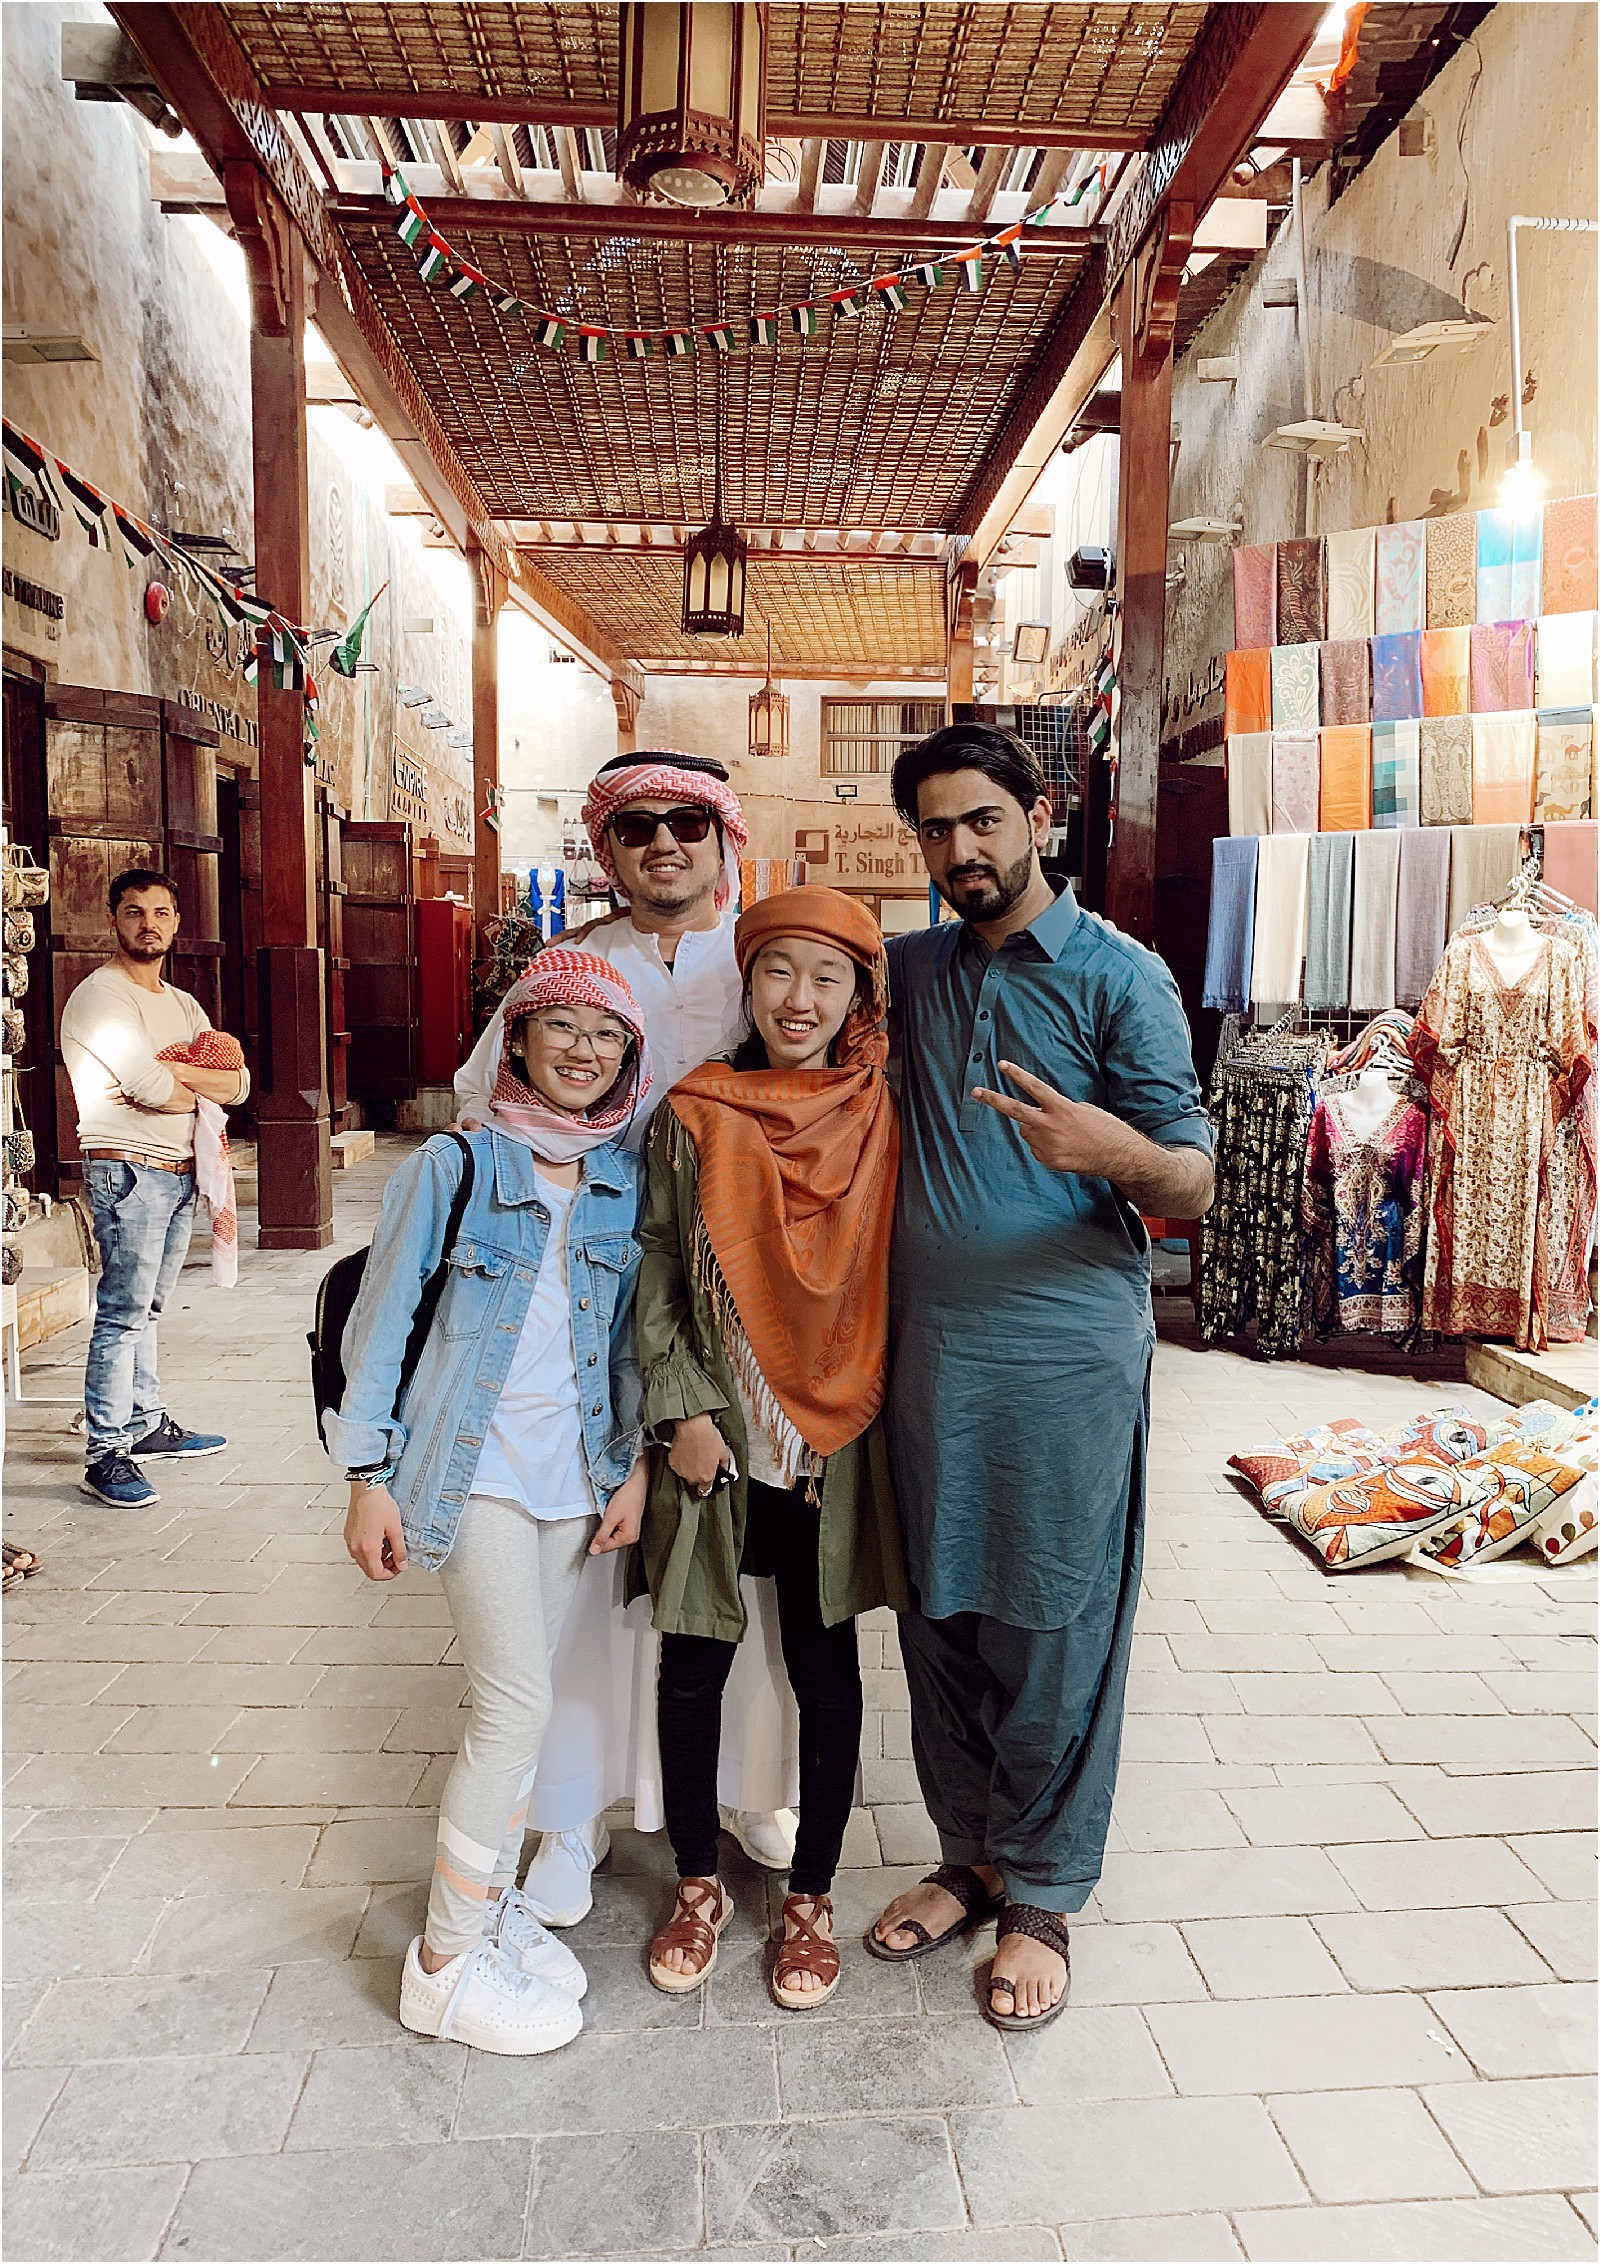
(636, 829)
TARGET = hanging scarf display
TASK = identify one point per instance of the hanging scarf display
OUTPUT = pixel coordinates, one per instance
(797, 1171)
(659, 776)
(563, 977)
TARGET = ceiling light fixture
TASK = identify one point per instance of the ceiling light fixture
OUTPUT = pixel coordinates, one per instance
(714, 563)
(769, 714)
(691, 102)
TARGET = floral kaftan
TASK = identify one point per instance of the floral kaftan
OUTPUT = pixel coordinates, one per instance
(1511, 1167)
(1362, 1213)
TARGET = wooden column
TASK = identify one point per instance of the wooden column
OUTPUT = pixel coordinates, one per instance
(960, 598)
(1147, 304)
(626, 699)
(295, 1170)
(488, 596)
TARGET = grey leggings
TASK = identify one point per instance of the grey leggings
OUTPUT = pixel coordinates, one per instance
(509, 1581)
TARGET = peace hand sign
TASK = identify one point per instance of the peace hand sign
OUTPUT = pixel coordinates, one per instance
(1061, 1134)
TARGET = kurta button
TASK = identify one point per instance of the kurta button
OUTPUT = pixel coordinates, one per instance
(583, 1304)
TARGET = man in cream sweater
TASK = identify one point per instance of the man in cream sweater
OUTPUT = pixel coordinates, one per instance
(136, 1116)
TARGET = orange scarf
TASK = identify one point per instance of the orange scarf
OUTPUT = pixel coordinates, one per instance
(797, 1171)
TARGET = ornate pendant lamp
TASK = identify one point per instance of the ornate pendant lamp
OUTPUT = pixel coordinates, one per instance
(691, 105)
(713, 565)
(769, 714)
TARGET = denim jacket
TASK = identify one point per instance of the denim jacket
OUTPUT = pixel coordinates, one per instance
(438, 1435)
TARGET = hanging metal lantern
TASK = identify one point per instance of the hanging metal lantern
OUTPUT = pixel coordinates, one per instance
(691, 107)
(714, 563)
(769, 714)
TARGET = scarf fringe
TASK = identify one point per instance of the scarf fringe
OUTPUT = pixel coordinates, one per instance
(789, 1449)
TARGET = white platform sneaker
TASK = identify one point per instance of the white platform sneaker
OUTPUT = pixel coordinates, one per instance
(484, 1998)
(535, 1949)
(767, 1840)
(556, 1888)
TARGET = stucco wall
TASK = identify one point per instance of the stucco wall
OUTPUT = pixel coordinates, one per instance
(1514, 118)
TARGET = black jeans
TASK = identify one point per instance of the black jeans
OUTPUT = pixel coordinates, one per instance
(781, 1537)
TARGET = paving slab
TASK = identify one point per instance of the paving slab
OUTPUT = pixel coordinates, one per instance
(422, 2204)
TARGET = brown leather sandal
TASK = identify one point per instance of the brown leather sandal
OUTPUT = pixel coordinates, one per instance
(962, 1883)
(804, 1951)
(690, 1929)
(1041, 1926)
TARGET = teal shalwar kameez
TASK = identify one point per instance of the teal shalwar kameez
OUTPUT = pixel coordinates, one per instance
(1021, 1339)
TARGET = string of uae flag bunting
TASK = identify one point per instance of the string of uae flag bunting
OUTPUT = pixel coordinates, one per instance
(438, 263)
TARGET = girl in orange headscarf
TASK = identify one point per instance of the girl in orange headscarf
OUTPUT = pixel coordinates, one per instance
(763, 1319)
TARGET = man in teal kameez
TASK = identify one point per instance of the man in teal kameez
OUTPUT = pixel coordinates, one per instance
(1047, 1098)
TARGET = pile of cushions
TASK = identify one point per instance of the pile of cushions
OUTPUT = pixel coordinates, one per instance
(1450, 1490)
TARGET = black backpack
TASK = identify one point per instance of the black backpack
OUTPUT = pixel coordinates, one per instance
(341, 1286)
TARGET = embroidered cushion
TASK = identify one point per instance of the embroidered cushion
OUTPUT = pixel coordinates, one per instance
(1570, 1526)
(1286, 1467)
(1515, 1487)
(1384, 1513)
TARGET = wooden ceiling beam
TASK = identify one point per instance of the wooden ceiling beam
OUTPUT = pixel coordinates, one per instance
(677, 224)
(566, 142)
(445, 150)
(811, 156)
(506, 158)
(871, 173)
(930, 177)
(532, 108)
(987, 186)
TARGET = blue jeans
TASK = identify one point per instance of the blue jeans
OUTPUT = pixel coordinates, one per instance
(141, 1222)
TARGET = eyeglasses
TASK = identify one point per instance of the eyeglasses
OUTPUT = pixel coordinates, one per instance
(563, 1035)
(636, 829)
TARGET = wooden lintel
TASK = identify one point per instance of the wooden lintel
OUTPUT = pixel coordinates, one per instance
(563, 617)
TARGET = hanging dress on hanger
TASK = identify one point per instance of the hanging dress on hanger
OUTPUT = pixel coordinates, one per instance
(1362, 1211)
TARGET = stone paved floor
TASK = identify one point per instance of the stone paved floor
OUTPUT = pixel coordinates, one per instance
(1330, 2000)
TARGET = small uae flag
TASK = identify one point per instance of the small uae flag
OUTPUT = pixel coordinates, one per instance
(638, 345)
(433, 259)
(718, 335)
(678, 343)
(1099, 730)
(88, 503)
(846, 302)
(133, 531)
(288, 662)
(804, 320)
(255, 610)
(394, 185)
(550, 331)
(891, 291)
(1106, 682)
(413, 224)
(467, 284)
(510, 304)
(592, 345)
(1008, 248)
(971, 268)
(763, 329)
(928, 273)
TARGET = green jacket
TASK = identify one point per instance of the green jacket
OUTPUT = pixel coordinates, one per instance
(689, 1550)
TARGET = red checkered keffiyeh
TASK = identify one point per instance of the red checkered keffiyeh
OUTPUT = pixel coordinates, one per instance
(214, 1049)
(656, 777)
(561, 976)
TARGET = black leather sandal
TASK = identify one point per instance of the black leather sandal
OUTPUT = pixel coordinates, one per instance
(1041, 1926)
(962, 1883)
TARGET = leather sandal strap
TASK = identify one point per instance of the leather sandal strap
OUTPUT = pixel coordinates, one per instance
(1040, 1925)
(689, 1929)
(962, 1883)
(806, 1951)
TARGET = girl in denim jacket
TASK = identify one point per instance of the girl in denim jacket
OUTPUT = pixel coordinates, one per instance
(519, 1430)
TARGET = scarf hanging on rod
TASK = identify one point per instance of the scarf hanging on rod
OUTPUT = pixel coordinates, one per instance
(1294, 781)
(1255, 596)
(1447, 770)
(1280, 933)
(1351, 590)
(1571, 566)
(1452, 573)
(1424, 897)
(1563, 764)
(1294, 687)
(1510, 565)
(1503, 749)
(1373, 920)
(1345, 668)
(1502, 667)
(1400, 605)
(1302, 607)
(1396, 774)
(1397, 677)
(1566, 660)
(1250, 782)
(1346, 802)
(1232, 926)
(1446, 671)
(1331, 870)
(1247, 700)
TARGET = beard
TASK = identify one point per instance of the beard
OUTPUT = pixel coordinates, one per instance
(674, 892)
(981, 892)
(146, 953)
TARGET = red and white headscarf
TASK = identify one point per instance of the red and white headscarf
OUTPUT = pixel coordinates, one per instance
(656, 776)
(214, 1049)
(562, 977)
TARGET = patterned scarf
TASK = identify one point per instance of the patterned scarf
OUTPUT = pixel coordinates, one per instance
(563, 977)
(796, 1192)
(656, 777)
(213, 1172)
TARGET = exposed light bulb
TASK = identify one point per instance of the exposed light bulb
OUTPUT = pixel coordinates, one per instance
(1522, 488)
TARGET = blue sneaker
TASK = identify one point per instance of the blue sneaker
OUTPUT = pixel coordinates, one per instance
(171, 1439)
(113, 1479)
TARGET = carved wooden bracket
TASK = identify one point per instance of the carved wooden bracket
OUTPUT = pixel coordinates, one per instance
(489, 584)
(961, 594)
(266, 237)
(627, 699)
(1158, 276)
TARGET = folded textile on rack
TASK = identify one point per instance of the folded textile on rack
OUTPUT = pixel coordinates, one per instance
(1401, 583)
(1383, 1043)
(1563, 766)
(1329, 885)
(1250, 782)
(1447, 671)
(1502, 666)
(1351, 588)
(1453, 570)
(1422, 929)
(1295, 781)
(1503, 750)
(1571, 851)
(1397, 677)
(1345, 669)
(1294, 687)
(1247, 700)
(1396, 774)
(1566, 659)
(1346, 801)
(1280, 925)
(1446, 742)
(1232, 925)
(1483, 862)
(1255, 596)
(1510, 565)
(1302, 605)
(1373, 920)
(1571, 555)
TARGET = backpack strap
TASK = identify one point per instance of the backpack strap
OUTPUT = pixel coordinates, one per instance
(433, 1287)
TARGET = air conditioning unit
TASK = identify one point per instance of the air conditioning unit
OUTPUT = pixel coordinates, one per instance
(1090, 568)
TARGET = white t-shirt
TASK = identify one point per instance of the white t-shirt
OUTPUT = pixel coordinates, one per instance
(533, 1450)
(112, 1029)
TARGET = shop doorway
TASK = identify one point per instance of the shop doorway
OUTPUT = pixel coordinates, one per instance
(25, 816)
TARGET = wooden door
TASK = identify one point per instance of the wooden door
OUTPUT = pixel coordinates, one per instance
(1191, 808)
(331, 821)
(381, 963)
(24, 812)
(193, 848)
